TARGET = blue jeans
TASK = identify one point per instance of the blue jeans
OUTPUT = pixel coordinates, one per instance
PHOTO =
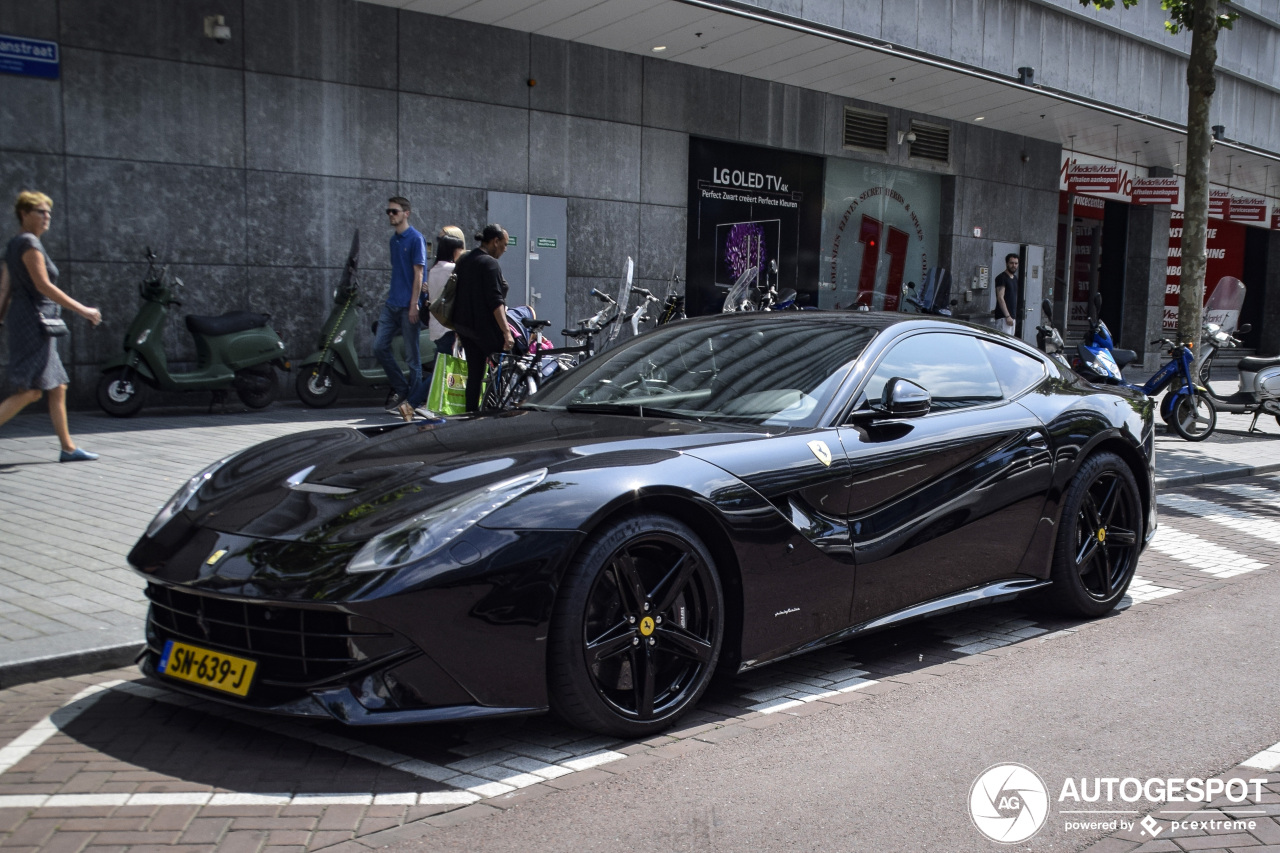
(391, 322)
(418, 394)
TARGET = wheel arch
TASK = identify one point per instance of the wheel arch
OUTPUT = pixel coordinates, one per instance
(1132, 457)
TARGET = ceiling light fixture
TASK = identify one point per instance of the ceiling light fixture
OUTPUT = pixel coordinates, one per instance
(980, 118)
(659, 48)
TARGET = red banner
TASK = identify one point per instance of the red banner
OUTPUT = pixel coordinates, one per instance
(1219, 204)
(1248, 208)
(1093, 178)
(1155, 191)
(1226, 257)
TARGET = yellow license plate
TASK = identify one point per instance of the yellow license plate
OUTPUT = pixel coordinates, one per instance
(216, 670)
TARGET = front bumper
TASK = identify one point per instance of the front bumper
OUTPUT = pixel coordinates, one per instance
(431, 644)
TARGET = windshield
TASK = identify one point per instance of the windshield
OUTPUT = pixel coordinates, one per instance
(773, 370)
(1224, 303)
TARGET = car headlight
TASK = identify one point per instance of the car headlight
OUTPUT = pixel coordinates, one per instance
(183, 496)
(425, 534)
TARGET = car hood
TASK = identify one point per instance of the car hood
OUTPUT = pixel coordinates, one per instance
(345, 485)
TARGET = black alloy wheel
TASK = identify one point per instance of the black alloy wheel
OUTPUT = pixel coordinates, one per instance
(1099, 538)
(121, 395)
(315, 386)
(637, 628)
(1194, 418)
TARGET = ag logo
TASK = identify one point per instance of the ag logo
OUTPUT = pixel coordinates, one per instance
(1008, 803)
(821, 451)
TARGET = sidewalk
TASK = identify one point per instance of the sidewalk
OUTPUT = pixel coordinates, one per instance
(69, 602)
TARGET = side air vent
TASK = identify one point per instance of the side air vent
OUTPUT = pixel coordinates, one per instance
(931, 143)
(865, 130)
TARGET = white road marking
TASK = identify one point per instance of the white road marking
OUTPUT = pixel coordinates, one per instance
(1140, 590)
(27, 742)
(1204, 555)
(1238, 520)
(1268, 759)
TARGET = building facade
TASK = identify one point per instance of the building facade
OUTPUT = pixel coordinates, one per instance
(857, 144)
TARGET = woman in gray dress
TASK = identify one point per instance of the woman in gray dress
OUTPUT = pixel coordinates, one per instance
(28, 290)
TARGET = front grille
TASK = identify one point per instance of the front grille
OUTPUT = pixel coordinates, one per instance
(295, 647)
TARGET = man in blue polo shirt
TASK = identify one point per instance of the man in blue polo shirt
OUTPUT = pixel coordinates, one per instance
(400, 312)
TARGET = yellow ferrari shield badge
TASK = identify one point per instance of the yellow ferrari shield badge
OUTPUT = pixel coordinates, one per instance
(646, 625)
(821, 451)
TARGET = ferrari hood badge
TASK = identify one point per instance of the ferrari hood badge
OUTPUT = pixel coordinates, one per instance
(216, 556)
(821, 451)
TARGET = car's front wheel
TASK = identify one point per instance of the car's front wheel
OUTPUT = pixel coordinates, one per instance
(637, 628)
(1098, 538)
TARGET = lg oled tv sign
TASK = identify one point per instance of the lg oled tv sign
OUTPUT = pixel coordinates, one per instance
(755, 215)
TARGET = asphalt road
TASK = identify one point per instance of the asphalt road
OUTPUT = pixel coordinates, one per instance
(1185, 689)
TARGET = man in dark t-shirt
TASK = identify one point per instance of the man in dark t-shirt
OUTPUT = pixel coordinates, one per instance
(480, 313)
(1006, 286)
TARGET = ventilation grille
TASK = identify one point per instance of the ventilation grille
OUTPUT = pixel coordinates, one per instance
(932, 142)
(865, 130)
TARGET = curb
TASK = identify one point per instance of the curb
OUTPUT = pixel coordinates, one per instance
(68, 664)
(1214, 476)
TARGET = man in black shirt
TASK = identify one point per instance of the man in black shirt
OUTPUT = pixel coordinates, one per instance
(480, 315)
(1007, 296)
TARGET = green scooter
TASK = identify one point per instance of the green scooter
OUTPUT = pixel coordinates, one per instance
(236, 350)
(321, 374)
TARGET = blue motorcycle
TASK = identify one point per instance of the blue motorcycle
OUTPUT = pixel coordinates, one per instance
(1187, 407)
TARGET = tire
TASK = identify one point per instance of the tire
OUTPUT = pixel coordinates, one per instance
(642, 596)
(118, 397)
(1194, 418)
(256, 386)
(316, 387)
(1166, 408)
(1099, 538)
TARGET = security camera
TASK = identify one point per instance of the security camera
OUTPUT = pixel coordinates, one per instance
(215, 27)
(911, 136)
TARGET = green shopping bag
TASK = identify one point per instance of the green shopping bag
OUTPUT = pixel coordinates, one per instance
(448, 394)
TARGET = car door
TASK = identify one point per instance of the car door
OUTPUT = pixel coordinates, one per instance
(946, 501)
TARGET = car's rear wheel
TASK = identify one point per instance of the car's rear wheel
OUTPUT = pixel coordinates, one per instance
(1098, 539)
(637, 628)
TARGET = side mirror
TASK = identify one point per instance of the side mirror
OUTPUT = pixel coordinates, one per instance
(1046, 308)
(1244, 330)
(903, 398)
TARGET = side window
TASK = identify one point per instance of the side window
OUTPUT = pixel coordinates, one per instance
(951, 367)
(1016, 371)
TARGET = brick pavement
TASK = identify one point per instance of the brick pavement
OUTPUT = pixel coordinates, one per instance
(128, 767)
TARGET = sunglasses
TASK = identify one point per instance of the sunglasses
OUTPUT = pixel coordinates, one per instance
(391, 211)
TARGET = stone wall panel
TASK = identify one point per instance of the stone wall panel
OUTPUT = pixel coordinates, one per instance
(472, 145)
(162, 29)
(278, 235)
(339, 41)
(438, 56)
(136, 108)
(187, 214)
(602, 234)
(572, 156)
(584, 80)
(297, 125)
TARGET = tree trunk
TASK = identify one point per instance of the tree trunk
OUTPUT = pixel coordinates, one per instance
(1195, 218)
